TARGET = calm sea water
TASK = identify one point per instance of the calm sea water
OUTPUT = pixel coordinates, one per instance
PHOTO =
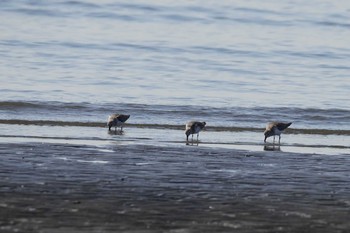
(234, 64)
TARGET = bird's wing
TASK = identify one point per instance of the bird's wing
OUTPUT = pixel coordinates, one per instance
(194, 126)
(123, 118)
(282, 126)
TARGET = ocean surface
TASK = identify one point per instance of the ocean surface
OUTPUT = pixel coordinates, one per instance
(65, 65)
(234, 64)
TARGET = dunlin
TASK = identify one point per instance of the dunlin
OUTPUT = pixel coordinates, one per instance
(116, 120)
(194, 127)
(275, 128)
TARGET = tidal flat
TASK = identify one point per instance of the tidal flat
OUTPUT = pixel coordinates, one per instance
(62, 187)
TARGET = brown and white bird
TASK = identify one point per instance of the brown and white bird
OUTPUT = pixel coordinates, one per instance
(275, 128)
(194, 127)
(116, 120)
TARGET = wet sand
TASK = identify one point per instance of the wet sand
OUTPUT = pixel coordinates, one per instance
(51, 187)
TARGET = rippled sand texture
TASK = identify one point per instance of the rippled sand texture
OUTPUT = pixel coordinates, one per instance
(140, 188)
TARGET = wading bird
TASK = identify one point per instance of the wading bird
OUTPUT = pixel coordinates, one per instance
(275, 128)
(194, 127)
(116, 120)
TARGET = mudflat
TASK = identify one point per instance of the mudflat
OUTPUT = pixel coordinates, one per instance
(52, 187)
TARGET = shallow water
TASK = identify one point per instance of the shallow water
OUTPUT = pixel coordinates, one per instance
(312, 131)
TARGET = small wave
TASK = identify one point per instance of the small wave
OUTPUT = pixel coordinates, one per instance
(179, 108)
(168, 126)
(334, 24)
(80, 4)
(5, 105)
(38, 12)
(51, 123)
(54, 137)
(306, 120)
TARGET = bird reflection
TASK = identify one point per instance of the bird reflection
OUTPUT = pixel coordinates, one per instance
(115, 132)
(192, 143)
(272, 147)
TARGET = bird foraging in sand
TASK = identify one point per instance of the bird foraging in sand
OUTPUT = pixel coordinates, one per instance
(116, 120)
(194, 127)
(275, 128)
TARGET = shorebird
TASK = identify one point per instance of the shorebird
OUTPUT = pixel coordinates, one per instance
(194, 127)
(116, 120)
(275, 128)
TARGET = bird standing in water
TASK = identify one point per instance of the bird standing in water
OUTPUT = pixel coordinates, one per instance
(194, 127)
(275, 128)
(116, 120)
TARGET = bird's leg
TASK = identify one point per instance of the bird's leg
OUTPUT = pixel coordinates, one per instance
(279, 139)
(273, 138)
(192, 137)
(197, 136)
